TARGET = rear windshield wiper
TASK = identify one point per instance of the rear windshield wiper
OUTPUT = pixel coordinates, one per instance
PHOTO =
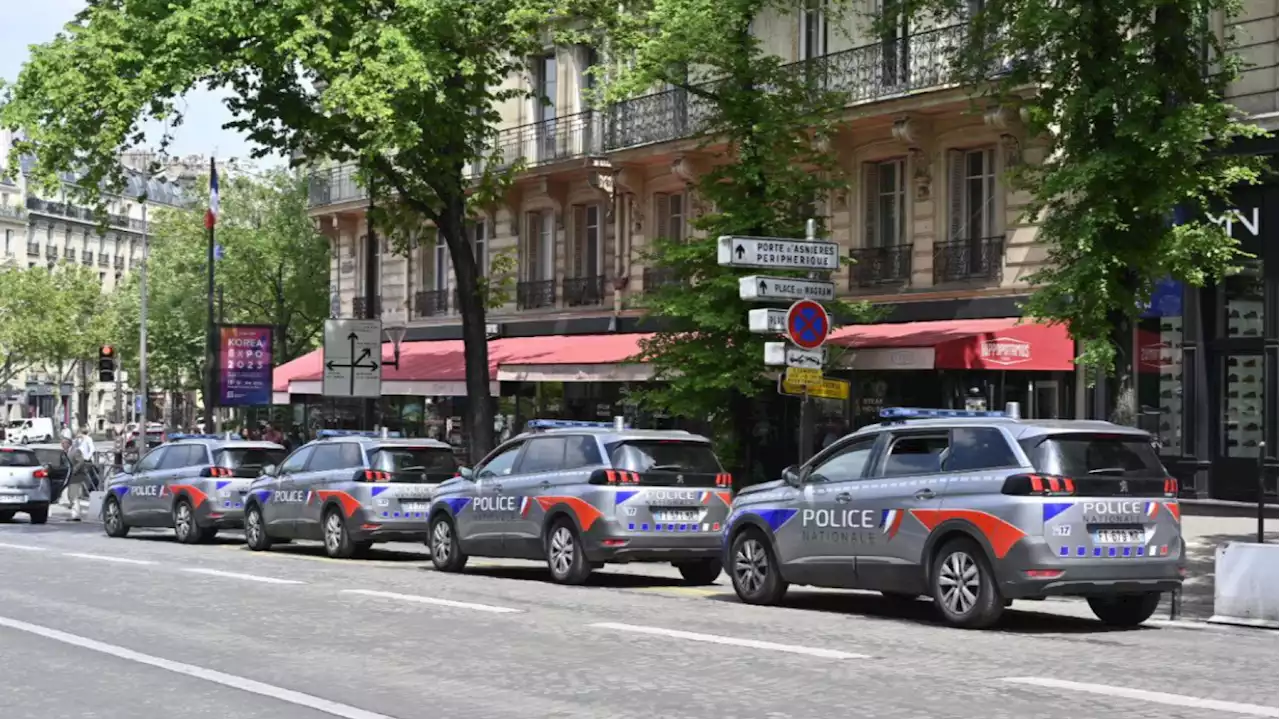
(1109, 470)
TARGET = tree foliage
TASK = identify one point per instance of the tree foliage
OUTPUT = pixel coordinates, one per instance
(1125, 99)
(408, 90)
(769, 127)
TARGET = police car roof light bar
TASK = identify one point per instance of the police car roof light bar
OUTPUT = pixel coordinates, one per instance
(327, 433)
(228, 435)
(894, 413)
(534, 425)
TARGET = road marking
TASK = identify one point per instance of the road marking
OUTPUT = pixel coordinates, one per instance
(731, 641)
(106, 558)
(209, 675)
(433, 600)
(238, 575)
(1146, 696)
(26, 547)
(682, 591)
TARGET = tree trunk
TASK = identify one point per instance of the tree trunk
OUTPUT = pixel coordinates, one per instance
(475, 343)
(1122, 392)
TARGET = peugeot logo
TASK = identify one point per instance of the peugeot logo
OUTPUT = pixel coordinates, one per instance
(679, 479)
(1124, 487)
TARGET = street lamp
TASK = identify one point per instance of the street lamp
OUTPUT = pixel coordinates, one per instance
(395, 333)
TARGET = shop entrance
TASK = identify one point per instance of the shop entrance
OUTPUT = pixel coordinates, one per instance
(1044, 398)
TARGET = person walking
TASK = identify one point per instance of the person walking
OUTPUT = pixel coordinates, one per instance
(81, 477)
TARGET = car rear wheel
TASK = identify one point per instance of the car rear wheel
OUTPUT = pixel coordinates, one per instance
(1125, 610)
(39, 515)
(755, 573)
(964, 588)
(337, 540)
(699, 572)
(184, 523)
(565, 557)
(255, 531)
(446, 554)
(113, 518)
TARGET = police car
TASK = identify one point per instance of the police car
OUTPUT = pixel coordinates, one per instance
(349, 490)
(579, 494)
(194, 483)
(972, 508)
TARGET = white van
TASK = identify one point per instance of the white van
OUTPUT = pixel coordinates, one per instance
(31, 429)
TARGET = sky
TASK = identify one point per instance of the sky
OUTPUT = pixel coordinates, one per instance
(201, 132)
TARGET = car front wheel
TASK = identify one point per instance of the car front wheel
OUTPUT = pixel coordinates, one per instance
(255, 530)
(755, 574)
(113, 518)
(446, 554)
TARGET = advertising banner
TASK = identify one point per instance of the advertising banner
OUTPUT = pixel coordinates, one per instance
(244, 365)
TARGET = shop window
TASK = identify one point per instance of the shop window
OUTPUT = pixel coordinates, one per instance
(1243, 399)
(1243, 302)
(1160, 367)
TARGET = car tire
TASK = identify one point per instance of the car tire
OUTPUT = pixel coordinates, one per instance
(442, 543)
(337, 540)
(700, 572)
(964, 587)
(184, 523)
(756, 576)
(113, 519)
(565, 556)
(7, 515)
(255, 530)
(40, 515)
(1125, 610)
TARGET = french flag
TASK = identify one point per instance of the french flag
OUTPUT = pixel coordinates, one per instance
(211, 216)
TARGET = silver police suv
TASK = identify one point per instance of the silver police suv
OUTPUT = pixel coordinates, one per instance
(580, 494)
(348, 489)
(24, 485)
(972, 508)
(194, 483)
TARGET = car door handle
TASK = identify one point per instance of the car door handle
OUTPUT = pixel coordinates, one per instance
(925, 494)
(844, 497)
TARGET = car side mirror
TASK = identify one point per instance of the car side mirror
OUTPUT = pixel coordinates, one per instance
(466, 473)
(270, 470)
(791, 475)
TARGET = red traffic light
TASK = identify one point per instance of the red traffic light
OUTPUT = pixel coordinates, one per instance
(106, 349)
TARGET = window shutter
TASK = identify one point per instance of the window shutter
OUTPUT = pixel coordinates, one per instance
(955, 196)
(871, 208)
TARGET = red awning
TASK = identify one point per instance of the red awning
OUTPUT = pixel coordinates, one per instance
(1000, 343)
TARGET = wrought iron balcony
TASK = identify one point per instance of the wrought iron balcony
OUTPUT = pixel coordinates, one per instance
(658, 117)
(657, 277)
(87, 259)
(431, 303)
(359, 307)
(119, 263)
(334, 185)
(33, 249)
(103, 260)
(16, 211)
(583, 291)
(535, 294)
(51, 252)
(977, 259)
(874, 266)
(81, 214)
(71, 254)
(549, 141)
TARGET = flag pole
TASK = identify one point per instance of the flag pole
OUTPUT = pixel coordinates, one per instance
(211, 343)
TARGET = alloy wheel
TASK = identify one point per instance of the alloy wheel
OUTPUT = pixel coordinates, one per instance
(562, 549)
(253, 526)
(333, 532)
(182, 521)
(113, 516)
(960, 582)
(751, 566)
(441, 542)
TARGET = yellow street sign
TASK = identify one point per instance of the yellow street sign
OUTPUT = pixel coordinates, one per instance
(827, 389)
(804, 376)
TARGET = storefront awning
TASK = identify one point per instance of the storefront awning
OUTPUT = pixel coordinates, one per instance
(1000, 343)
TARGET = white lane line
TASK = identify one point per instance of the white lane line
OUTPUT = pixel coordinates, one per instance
(209, 675)
(731, 641)
(107, 558)
(433, 600)
(238, 575)
(26, 547)
(1152, 697)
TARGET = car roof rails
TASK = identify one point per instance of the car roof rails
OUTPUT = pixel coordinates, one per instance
(330, 433)
(542, 425)
(890, 415)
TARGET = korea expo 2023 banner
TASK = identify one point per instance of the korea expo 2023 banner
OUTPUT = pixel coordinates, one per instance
(244, 365)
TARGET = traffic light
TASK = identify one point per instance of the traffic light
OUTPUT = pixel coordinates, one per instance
(106, 363)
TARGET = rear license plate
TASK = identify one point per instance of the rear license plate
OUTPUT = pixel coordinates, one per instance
(12, 498)
(414, 506)
(1118, 536)
(676, 515)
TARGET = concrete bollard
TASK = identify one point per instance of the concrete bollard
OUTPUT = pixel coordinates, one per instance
(1246, 577)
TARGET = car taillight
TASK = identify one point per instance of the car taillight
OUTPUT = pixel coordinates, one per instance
(216, 472)
(1046, 485)
(40, 474)
(1170, 487)
(373, 475)
(724, 479)
(618, 476)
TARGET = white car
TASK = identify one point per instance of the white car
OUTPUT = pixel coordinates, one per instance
(31, 429)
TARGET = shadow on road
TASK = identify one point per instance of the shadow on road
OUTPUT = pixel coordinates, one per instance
(601, 580)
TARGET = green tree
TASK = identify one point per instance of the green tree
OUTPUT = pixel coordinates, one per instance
(771, 126)
(20, 331)
(408, 90)
(1125, 97)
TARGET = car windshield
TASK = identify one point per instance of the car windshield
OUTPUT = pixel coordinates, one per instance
(18, 458)
(1095, 455)
(427, 460)
(248, 459)
(664, 455)
(52, 458)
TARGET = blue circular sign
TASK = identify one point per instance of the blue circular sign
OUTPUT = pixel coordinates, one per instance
(808, 324)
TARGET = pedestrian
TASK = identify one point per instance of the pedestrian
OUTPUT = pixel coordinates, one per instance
(66, 432)
(272, 435)
(81, 477)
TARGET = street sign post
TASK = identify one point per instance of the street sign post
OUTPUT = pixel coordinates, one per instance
(778, 253)
(767, 321)
(782, 354)
(808, 324)
(828, 389)
(352, 358)
(784, 289)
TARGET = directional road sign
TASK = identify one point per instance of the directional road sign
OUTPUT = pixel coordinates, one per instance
(787, 289)
(808, 324)
(778, 253)
(767, 321)
(827, 389)
(352, 358)
(783, 354)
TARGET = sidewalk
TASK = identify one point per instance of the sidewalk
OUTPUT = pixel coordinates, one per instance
(1203, 536)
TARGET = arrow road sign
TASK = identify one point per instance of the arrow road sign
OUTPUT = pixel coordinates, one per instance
(782, 354)
(352, 358)
(778, 253)
(767, 321)
(808, 324)
(789, 289)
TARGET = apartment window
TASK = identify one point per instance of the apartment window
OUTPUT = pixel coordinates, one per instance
(671, 209)
(480, 245)
(539, 259)
(972, 194)
(886, 203)
(813, 29)
(546, 88)
(587, 240)
(440, 268)
(102, 276)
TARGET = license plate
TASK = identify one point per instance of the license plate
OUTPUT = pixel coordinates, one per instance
(414, 506)
(1118, 536)
(12, 498)
(677, 515)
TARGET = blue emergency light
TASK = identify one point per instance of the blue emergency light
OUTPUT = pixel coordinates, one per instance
(535, 425)
(327, 433)
(225, 436)
(891, 413)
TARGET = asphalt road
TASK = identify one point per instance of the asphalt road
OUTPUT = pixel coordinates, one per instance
(144, 627)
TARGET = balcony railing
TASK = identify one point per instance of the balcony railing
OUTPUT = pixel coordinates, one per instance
(33, 249)
(51, 252)
(81, 214)
(359, 307)
(88, 257)
(874, 266)
(431, 303)
(16, 211)
(71, 254)
(658, 277)
(103, 260)
(960, 260)
(535, 294)
(871, 72)
(583, 291)
(119, 263)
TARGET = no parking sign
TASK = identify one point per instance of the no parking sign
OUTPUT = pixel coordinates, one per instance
(808, 324)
